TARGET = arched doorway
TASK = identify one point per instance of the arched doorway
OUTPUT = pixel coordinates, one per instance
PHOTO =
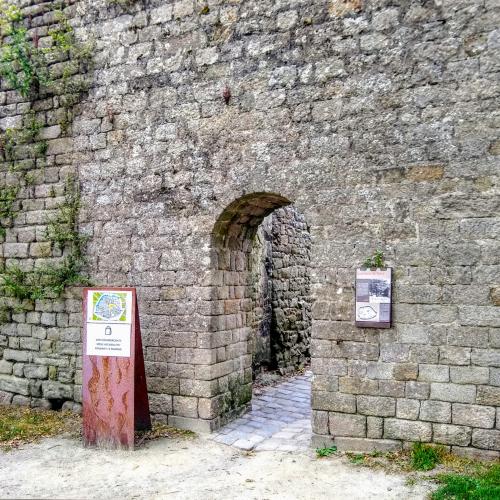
(261, 315)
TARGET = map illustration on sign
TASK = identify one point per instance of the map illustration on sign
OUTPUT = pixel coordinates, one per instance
(366, 313)
(109, 306)
(109, 322)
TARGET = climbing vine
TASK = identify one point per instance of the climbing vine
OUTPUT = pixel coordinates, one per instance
(57, 68)
(49, 281)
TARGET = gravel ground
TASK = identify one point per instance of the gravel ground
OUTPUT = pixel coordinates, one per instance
(192, 469)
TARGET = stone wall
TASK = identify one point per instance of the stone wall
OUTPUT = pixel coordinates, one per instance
(280, 273)
(291, 299)
(260, 317)
(40, 340)
(376, 119)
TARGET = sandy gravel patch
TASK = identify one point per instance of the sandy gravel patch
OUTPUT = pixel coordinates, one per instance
(189, 468)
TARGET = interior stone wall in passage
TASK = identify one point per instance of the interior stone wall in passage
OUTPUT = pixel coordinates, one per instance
(376, 119)
(280, 261)
(291, 294)
(261, 268)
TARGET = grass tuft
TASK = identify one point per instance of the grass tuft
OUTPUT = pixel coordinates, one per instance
(356, 458)
(425, 456)
(326, 452)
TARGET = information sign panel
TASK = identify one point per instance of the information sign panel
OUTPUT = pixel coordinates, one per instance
(109, 322)
(373, 298)
(115, 399)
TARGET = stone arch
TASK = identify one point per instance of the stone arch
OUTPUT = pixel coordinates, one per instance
(237, 224)
(233, 325)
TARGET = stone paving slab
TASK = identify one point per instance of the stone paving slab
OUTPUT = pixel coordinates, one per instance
(280, 419)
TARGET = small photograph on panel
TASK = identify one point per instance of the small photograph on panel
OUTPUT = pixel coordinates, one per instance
(380, 291)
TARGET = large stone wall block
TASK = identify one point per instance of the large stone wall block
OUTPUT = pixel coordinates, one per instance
(488, 396)
(473, 415)
(364, 445)
(435, 411)
(407, 430)
(344, 424)
(376, 406)
(334, 401)
(56, 390)
(14, 384)
(452, 434)
(433, 373)
(454, 392)
(488, 439)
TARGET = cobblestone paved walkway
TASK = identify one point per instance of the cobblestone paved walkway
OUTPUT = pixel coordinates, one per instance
(280, 419)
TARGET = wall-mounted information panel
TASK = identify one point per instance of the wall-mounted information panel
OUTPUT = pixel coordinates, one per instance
(373, 298)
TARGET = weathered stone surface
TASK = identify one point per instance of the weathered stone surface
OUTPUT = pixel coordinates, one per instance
(452, 434)
(469, 375)
(5, 367)
(407, 409)
(454, 392)
(160, 403)
(11, 355)
(185, 406)
(433, 373)
(5, 398)
(375, 427)
(406, 371)
(376, 406)
(488, 439)
(435, 411)
(407, 430)
(488, 396)
(473, 415)
(334, 401)
(37, 372)
(14, 384)
(344, 424)
(364, 445)
(56, 390)
(476, 453)
(417, 390)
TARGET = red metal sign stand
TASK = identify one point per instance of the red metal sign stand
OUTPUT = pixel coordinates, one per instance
(115, 397)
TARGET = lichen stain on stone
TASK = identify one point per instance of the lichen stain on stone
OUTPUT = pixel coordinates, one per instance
(341, 8)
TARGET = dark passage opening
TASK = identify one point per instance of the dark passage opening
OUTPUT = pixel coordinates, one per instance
(261, 312)
(56, 404)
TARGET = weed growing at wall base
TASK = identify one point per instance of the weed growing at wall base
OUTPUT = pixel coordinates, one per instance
(426, 457)
(326, 452)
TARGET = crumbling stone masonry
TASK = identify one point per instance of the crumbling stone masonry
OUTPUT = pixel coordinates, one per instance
(376, 119)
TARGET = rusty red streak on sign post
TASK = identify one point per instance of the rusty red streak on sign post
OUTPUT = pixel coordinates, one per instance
(115, 398)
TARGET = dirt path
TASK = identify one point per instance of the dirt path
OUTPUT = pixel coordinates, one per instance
(189, 468)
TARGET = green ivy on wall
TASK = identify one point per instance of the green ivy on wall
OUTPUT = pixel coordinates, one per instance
(59, 68)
